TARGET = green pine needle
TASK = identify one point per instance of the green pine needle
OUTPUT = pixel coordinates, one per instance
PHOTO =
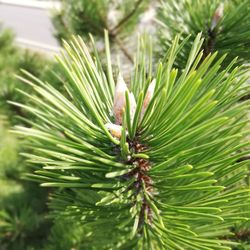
(225, 27)
(173, 179)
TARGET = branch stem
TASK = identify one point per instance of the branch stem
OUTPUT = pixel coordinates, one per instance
(116, 29)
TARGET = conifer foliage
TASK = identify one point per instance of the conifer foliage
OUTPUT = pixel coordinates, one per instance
(151, 164)
(225, 26)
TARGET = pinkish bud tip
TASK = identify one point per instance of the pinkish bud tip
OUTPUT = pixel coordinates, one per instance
(119, 99)
(217, 16)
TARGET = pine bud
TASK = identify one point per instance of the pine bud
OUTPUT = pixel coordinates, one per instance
(148, 97)
(119, 99)
(115, 130)
(217, 16)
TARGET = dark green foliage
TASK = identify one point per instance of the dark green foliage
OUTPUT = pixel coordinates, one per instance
(189, 17)
(10, 163)
(241, 234)
(22, 204)
(12, 59)
(22, 219)
(172, 178)
(80, 17)
(67, 235)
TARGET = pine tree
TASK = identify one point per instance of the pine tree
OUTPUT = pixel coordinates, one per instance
(225, 26)
(153, 167)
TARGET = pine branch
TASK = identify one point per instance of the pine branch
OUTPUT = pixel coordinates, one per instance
(245, 98)
(122, 47)
(225, 29)
(161, 158)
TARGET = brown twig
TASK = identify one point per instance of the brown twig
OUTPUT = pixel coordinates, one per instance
(142, 179)
(245, 98)
(244, 158)
(116, 29)
(123, 49)
(209, 44)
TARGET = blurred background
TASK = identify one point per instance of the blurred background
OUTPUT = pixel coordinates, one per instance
(24, 17)
(26, 41)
